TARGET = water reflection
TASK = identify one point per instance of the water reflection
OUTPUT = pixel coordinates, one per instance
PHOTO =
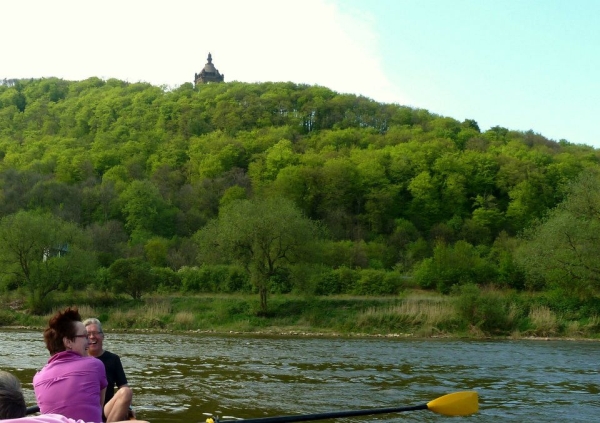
(177, 378)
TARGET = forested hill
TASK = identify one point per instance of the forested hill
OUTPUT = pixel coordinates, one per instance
(141, 169)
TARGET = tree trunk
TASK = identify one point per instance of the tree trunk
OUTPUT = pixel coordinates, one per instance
(262, 290)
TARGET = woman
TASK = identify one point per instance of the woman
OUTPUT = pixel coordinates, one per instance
(13, 409)
(71, 384)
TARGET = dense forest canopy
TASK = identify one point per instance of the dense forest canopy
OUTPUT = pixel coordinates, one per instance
(403, 193)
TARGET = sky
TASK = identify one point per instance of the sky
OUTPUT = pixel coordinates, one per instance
(521, 64)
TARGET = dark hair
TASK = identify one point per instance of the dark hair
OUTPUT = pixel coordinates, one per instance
(61, 325)
(12, 402)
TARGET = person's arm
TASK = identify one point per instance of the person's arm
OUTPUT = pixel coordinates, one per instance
(102, 395)
(120, 378)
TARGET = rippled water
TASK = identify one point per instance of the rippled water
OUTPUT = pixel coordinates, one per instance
(177, 378)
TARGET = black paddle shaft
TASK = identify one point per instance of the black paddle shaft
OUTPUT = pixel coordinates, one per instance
(324, 416)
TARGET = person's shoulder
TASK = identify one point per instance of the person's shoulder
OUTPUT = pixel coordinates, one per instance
(107, 355)
(94, 360)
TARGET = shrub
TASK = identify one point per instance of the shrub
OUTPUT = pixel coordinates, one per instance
(200, 279)
(190, 279)
(237, 280)
(214, 278)
(38, 304)
(544, 321)
(453, 265)
(281, 283)
(425, 274)
(338, 253)
(336, 281)
(347, 279)
(6, 317)
(509, 273)
(380, 256)
(486, 310)
(569, 305)
(328, 284)
(377, 282)
(167, 279)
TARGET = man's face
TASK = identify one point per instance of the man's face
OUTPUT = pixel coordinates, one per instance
(95, 338)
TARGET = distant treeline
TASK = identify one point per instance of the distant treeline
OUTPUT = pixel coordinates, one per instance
(112, 185)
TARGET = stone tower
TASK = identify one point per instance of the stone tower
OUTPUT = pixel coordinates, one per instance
(209, 74)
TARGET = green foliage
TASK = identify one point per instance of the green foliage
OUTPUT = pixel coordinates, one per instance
(141, 169)
(43, 253)
(486, 310)
(132, 276)
(510, 273)
(564, 247)
(167, 279)
(7, 318)
(377, 282)
(231, 194)
(202, 279)
(102, 279)
(568, 304)
(338, 281)
(145, 210)
(360, 254)
(263, 235)
(281, 282)
(39, 304)
(214, 278)
(156, 250)
(452, 265)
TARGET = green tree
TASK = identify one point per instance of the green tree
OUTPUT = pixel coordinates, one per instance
(156, 250)
(132, 276)
(266, 236)
(146, 210)
(564, 247)
(425, 206)
(278, 157)
(42, 254)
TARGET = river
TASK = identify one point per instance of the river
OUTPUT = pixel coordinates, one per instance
(179, 377)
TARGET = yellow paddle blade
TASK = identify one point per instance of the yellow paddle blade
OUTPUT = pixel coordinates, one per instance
(455, 404)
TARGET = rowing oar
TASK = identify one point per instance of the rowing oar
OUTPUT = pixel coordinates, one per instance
(32, 409)
(455, 404)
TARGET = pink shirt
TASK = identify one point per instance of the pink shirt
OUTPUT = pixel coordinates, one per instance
(44, 418)
(70, 385)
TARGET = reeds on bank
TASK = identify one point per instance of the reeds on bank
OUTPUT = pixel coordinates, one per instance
(470, 312)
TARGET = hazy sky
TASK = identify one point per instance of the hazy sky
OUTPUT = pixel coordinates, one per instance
(521, 64)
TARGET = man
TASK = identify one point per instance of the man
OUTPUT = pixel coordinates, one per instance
(117, 405)
(13, 409)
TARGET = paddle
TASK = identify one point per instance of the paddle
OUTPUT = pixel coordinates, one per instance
(455, 404)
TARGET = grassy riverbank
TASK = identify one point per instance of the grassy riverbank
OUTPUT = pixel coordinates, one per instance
(473, 313)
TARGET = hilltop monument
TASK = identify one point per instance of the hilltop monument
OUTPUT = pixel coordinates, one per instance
(209, 74)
